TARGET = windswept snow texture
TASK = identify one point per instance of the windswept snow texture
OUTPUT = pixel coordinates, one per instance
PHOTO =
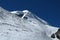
(23, 25)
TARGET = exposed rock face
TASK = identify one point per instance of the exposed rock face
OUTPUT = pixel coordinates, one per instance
(23, 25)
(53, 36)
(57, 34)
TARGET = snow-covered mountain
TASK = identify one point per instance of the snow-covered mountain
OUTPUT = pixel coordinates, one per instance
(24, 25)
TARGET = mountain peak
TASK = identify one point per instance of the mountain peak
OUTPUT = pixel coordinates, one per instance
(23, 25)
(26, 11)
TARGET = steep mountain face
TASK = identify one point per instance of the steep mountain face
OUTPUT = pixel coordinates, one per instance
(23, 25)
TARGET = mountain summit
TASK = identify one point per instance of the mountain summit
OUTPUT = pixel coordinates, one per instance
(24, 25)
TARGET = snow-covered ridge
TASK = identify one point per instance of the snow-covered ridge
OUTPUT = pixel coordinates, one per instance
(29, 14)
(24, 25)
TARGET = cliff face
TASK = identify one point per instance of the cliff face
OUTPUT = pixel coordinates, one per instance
(23, 25)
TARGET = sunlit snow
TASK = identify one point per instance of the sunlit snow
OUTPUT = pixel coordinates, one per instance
(24, 25)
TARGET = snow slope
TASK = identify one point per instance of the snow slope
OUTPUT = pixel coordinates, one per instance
(24, 25)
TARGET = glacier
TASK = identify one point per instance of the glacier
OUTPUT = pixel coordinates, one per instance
(24, 25)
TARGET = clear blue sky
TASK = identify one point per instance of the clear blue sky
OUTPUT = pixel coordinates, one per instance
(48, 10)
